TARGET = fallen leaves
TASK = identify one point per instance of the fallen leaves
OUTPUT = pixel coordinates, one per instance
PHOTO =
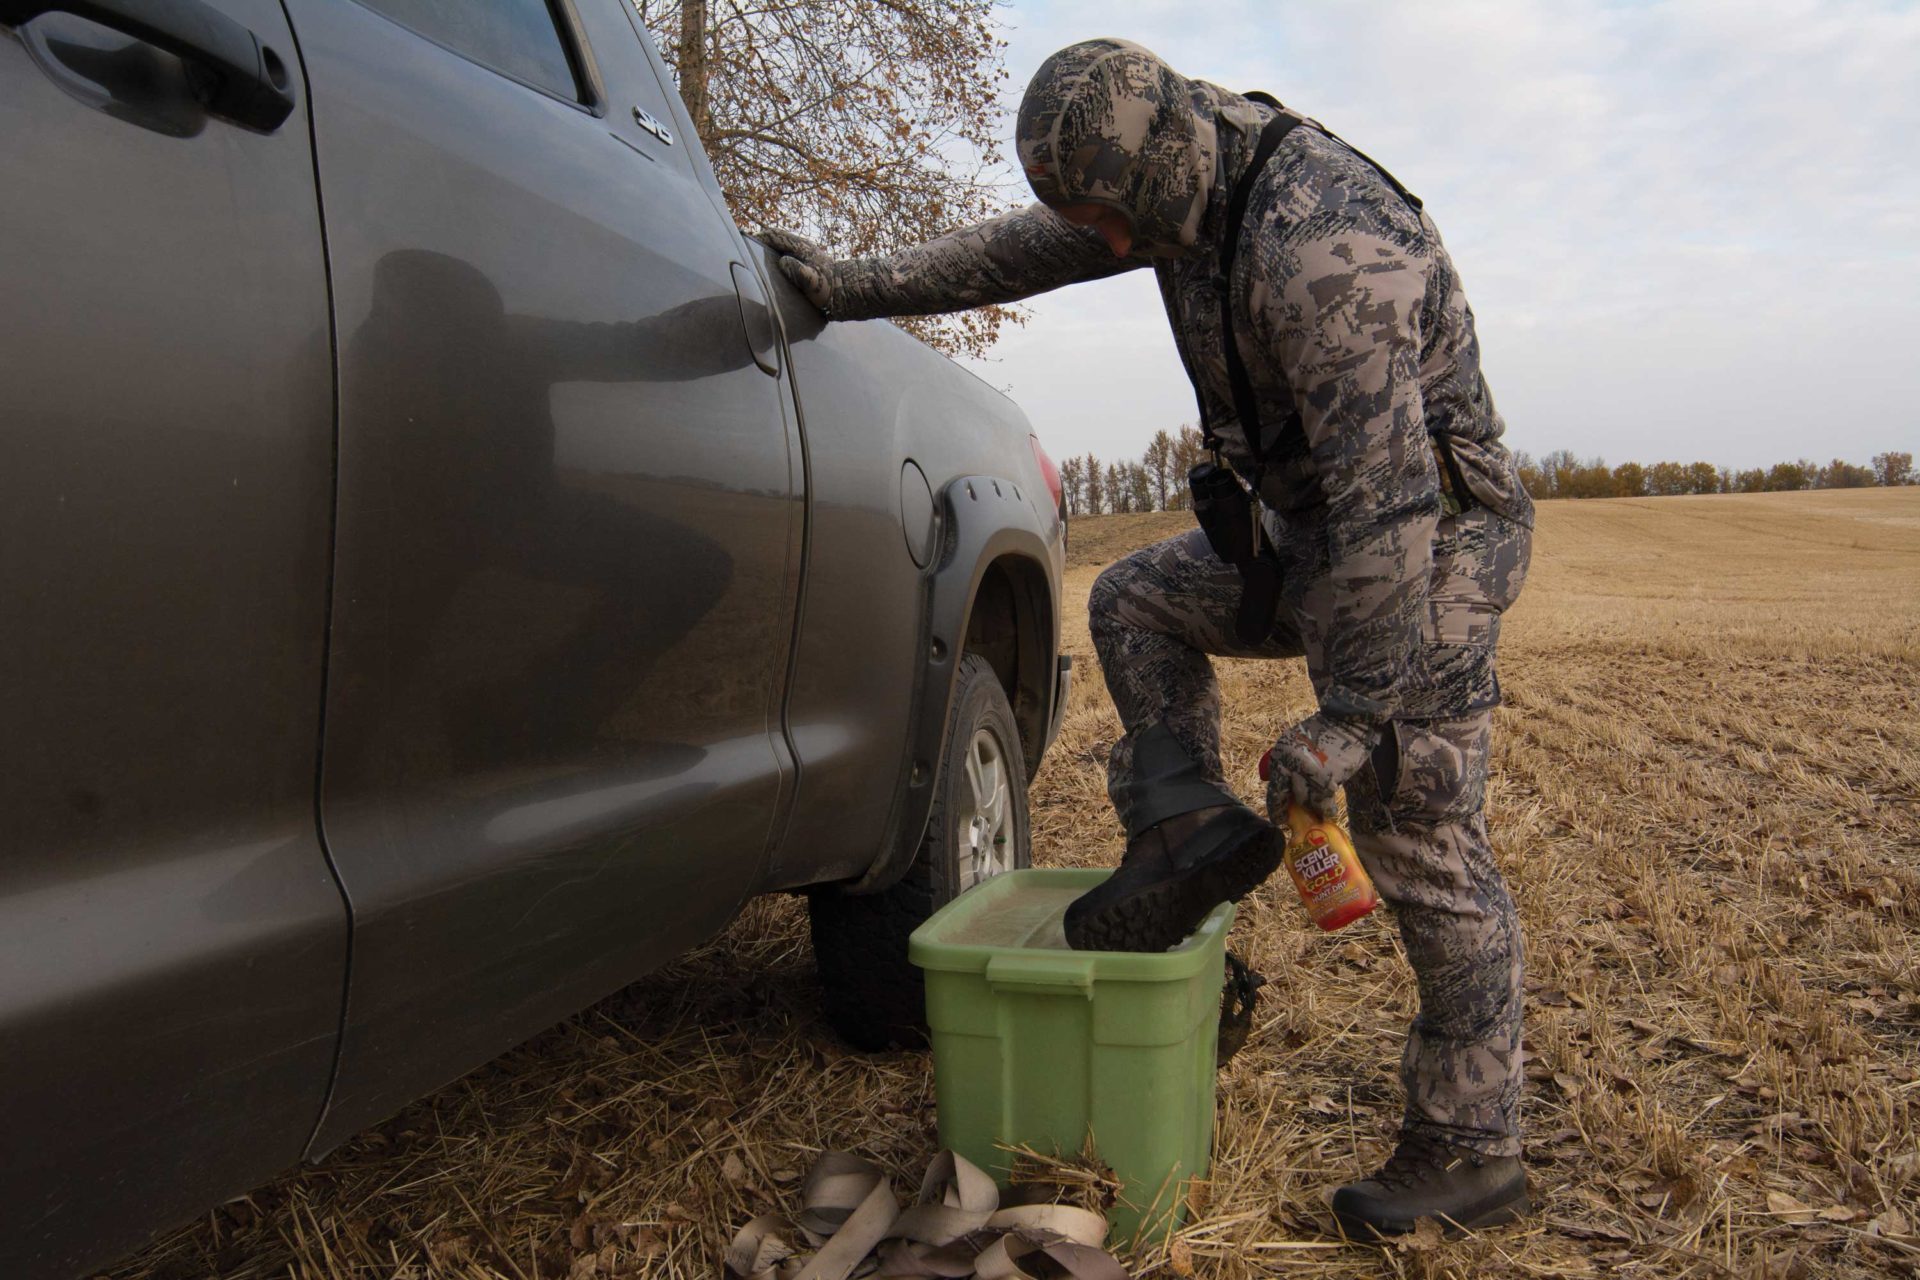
(1426, 1236)
(1890, 1222)
(1782, 1205)
(1799, 1213)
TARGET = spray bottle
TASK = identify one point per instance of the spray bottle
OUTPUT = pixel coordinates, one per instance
(1333, 886)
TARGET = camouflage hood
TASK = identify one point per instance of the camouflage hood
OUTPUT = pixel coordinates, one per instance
(1106, 122)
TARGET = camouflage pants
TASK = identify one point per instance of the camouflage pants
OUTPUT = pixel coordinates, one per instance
(1155, 617)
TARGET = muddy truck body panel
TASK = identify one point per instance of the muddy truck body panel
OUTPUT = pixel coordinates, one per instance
(172, 942)
(888, 460)
(566, 554)
(450, 571)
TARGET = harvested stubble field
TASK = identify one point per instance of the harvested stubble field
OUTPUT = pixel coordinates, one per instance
(1707, 796)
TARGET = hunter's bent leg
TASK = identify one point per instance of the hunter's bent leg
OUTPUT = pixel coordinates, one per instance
(1425, 844)
(1155, 616)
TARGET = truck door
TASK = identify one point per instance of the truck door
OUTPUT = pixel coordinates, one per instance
(172, 944)
(567, 537)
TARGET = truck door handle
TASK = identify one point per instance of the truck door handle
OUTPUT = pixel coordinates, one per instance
(238, 78)
(757, 316)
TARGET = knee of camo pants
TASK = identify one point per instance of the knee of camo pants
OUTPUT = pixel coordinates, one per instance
(1154, 617)
(1103, 601)
(1419, 829)
(1176, 593)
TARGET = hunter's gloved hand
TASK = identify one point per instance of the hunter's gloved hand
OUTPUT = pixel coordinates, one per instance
(1313, 759)
(811, 268)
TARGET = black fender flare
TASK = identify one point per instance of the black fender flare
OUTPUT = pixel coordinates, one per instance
(983, 521)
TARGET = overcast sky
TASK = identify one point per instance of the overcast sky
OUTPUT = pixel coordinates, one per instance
(1688, 230)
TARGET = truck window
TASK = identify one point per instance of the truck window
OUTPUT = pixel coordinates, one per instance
(519, 38)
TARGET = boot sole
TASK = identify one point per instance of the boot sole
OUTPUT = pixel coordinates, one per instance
(1497, 1215)
(1157, 916)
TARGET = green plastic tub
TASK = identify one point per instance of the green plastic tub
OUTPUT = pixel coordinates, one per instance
(1040, 1046)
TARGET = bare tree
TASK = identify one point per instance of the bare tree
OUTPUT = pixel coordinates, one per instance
(1158, 461)
(1189, 450)
(869, 124)
(1557, 470)
(1073, 477)
(1140, 484)
(1096, 488)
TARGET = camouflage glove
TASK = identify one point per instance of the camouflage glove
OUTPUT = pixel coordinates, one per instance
(811, 268)
(1314, 759)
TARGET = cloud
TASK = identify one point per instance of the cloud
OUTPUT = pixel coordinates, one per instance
(1686, 228)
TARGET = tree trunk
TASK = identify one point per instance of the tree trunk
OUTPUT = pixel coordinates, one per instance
(692, 67)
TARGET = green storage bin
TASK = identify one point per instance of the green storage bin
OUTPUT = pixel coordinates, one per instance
(1039, 1045)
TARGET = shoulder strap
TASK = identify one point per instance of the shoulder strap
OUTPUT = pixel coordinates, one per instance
(1412, 200)
(1244, 403)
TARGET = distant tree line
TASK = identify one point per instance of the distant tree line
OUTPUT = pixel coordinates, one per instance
(1562, 475)
(1157, 481)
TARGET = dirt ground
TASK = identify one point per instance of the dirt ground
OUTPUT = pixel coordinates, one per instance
(1706, 796)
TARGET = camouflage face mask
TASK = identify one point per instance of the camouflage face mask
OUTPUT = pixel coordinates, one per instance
(1105, 122)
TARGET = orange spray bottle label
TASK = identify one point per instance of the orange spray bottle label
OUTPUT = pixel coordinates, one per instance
(1334, 887)
(1326, 871)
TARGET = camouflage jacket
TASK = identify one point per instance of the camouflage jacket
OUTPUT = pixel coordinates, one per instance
(1359, 343)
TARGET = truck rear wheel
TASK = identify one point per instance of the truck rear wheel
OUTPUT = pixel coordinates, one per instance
(874, 996)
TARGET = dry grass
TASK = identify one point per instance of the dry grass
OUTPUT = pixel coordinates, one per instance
(1707, 797)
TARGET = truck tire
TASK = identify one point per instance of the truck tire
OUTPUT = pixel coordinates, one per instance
(874, 996)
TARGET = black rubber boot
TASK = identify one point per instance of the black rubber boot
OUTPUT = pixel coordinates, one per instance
(1172, 875)
(1426, 1178)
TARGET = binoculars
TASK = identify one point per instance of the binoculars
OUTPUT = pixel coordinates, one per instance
(1229, 517)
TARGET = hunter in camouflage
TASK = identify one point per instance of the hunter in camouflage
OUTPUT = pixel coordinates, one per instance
(1400, 528)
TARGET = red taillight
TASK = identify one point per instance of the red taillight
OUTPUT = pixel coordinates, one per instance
(1048, 472)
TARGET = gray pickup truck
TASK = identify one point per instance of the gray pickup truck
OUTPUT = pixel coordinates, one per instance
(444, 573)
